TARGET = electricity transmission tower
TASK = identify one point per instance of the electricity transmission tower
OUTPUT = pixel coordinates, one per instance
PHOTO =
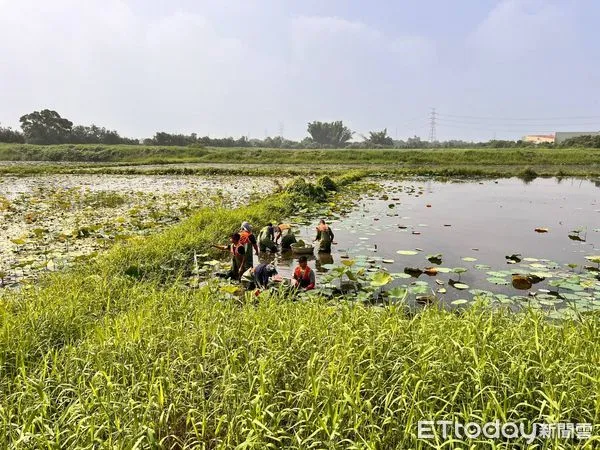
(432, 123)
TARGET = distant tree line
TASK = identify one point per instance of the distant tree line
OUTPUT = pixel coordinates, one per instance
(47, 127)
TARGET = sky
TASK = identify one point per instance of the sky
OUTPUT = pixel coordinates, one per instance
(491, 69)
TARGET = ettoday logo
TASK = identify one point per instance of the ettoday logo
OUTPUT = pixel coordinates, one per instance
(429, 429)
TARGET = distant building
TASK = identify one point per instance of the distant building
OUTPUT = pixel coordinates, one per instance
(539, 138)
(561, 136)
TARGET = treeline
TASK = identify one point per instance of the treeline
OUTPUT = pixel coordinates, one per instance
(47, 127)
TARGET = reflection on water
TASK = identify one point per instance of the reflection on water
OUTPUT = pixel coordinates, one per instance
(473, 225)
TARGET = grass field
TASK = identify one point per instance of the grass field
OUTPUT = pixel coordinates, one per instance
(439, 162)
(122, 353)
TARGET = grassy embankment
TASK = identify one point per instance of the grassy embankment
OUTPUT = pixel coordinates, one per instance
(116, 354)
(478, 162)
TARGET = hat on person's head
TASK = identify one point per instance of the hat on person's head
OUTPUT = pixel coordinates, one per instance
(271, 270)
(246, 226)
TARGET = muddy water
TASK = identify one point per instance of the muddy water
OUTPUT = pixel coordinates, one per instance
(483, 220)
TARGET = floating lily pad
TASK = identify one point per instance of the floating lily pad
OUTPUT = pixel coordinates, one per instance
(460, 301)
(400, 275)
(498, 281)
(407, 252)
(460, 286)
(496, 274)
(387, 261)
(469, 259)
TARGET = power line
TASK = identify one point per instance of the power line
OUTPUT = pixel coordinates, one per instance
(519, 119)
(513, 124)
(432, 134)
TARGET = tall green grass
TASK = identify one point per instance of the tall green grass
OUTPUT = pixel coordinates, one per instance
(197, 370)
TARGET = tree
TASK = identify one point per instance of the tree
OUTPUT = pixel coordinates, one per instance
(380, 138)
(45, 127)
(11, 136)
(333, 134)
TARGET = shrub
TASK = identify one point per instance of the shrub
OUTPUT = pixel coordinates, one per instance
(327, 183)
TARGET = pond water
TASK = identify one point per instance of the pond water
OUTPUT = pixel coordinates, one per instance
(48, 222)
(483, 222)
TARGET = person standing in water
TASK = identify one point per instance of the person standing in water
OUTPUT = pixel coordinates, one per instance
(238, 257)
(248, 240)
(287, 236)
(266, 239)
(324, 236)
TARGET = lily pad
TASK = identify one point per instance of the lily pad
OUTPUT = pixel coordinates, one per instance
(398, 292)
(469, 259)
(381, 279)
(460, 301)
(407, 252)
(498, 281)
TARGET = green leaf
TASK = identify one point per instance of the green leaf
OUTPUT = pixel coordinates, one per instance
(469, 259)
(398, 292)
(407, 252)
(381, 279)
(461, 286)
(460, 301)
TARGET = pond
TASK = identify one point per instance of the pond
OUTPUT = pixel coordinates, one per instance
(515, 242)
(47, 222)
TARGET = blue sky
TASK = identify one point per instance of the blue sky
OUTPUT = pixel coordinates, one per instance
(490, 68)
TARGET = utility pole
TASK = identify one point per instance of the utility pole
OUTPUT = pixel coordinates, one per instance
(432, 123)
(281, 130)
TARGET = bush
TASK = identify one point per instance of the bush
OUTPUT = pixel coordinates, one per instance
(300, 186)
(327, 183)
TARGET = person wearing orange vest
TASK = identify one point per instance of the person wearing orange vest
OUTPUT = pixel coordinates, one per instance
(238, 257)
(324, 236)
(304, 276)
(248, 240)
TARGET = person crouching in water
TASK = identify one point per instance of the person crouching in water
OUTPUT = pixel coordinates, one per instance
(304, 276)
(258, 277)
(284, 232)
(238, 257)
(324, 236)
(266, 239)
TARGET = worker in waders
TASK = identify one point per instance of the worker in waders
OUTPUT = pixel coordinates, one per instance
(287, 239)
(304, 276)
(248, 240)
(324, 236)
(266, 239)
(238, 258)
(258, 277)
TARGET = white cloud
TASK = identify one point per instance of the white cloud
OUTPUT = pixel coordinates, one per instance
(519, 29)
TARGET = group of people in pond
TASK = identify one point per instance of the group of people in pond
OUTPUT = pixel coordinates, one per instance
(244, 245)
